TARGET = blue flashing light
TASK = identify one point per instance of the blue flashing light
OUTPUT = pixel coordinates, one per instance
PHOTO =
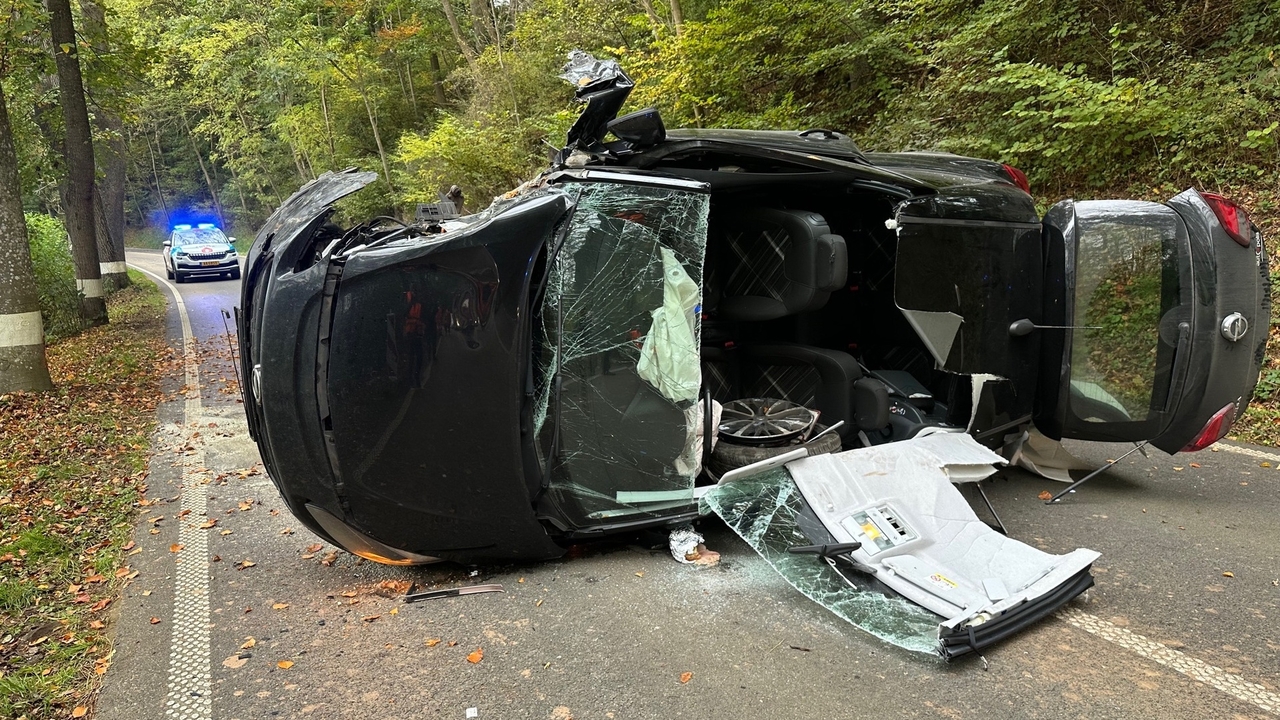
(181, 227)
(206, 226)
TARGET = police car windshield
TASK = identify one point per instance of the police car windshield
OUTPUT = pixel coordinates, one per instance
(198, 236)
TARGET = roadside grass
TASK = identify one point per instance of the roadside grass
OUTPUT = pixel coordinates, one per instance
(72, 465)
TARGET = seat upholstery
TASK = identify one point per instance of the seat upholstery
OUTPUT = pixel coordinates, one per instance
(775, 263)
(767, 264)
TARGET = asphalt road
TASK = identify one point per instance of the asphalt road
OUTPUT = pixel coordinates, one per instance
(608, 631)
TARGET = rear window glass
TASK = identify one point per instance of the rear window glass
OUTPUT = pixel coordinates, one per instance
(1126, 280)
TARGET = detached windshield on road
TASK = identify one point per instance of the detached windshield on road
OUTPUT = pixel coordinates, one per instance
(198, 236)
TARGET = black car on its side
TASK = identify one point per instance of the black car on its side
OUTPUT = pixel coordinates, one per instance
(495, 387)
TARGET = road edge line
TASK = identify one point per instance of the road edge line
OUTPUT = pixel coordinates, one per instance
(190, 677)
(1198, 670)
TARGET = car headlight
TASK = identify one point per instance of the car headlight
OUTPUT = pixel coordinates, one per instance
(181, 254)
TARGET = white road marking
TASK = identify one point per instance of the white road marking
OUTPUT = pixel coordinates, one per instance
(189, 674)
(1274, 458)
(1197, 670)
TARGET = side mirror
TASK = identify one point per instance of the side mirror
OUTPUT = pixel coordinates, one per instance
(165, 244)
(231, 240)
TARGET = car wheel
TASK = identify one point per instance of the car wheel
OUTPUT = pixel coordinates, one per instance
(730, 456)
(167, 272)
(179, 277)
(235, 274)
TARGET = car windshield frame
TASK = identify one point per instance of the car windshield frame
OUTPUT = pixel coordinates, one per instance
(198, 236)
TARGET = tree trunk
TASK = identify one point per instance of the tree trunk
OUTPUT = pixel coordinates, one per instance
(155, 173)
(677, 17)
(377, 136)
(467, 51)
(328, 126)
(213, 191)
(437, 79)
(109, 200)
(80, 167)
(22, 361)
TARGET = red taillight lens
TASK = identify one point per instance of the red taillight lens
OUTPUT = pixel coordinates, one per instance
(1018, 177)
(1232, 216)
(1213, 431)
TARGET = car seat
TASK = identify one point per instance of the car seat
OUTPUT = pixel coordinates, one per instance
(766, 264)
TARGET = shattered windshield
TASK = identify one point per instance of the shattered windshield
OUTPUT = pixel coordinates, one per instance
(617, 352)
(767, 511)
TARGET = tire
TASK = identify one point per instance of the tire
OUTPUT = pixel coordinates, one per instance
(179, 277)
(729, 456)
(235, 274)
(167, 272)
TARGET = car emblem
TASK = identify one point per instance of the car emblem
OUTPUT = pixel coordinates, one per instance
(1234, 327)
(206, 250)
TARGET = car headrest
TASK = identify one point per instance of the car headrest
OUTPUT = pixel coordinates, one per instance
(775, 263)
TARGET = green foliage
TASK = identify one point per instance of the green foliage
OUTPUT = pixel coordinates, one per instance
(55, 276)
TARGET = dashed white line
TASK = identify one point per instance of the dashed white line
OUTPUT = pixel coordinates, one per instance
(189, 695)
(1274, 458)
(1197, 670)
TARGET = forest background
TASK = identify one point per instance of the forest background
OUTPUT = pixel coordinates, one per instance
(218, 110)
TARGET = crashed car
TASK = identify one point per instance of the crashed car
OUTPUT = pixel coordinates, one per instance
(570, 362)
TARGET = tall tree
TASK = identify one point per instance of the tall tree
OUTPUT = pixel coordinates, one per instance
(109, 203)
(78, 148)
(22, 361)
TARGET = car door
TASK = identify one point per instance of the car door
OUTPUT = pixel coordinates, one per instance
(617, 372)
(1155, 320)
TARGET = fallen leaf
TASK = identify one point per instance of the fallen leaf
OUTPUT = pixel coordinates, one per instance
(640, 574)
(234, 662)
(452, 643)
(97, 624)
(370, 618)
(1228, 574)
(155, 621)
(279, 606)
(1045, 495)
(432, 642)
(308, 556)
(208, 523)
(128, 545)
(94, 579)
(284, 664)
(1177, 469)
(80, 711)
(248, 643)
(476, 656)
(1264, 464)
(539, 603)
(100, 605)
(245, 564)
(176, 547)
(287, 531)
(330, 559)
(1194, 465)
(314, 548)
(349, 593)
(225, 532)
(685, 677)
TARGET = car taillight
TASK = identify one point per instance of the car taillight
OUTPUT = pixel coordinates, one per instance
(1018, 177)
(1213, 431)
(1232, 216)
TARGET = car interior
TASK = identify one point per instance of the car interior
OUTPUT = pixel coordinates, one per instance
(798, 300)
